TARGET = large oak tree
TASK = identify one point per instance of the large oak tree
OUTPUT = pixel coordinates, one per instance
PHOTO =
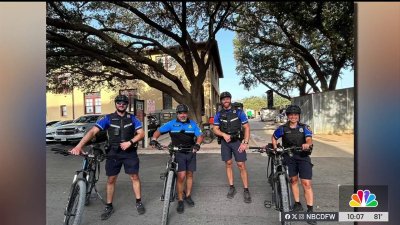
(294, 45)
(108, 43)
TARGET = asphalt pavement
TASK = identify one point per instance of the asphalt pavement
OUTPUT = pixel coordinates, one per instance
(332, 166)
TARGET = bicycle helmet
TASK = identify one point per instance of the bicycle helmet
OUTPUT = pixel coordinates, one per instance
(182, 108)
(121, 98)
(224, 95)
(293, 109)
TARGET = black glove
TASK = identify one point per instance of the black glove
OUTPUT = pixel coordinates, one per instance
(154, 143)
(196, 147)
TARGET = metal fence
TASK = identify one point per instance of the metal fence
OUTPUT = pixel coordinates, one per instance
(328, 112)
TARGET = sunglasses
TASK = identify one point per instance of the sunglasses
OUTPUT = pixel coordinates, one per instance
(121, 103)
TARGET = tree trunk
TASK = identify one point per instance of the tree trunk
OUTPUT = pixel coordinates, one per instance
(302, 88)
(195, 99)
(333, 81)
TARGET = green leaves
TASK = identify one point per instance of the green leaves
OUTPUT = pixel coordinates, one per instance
(293, 45)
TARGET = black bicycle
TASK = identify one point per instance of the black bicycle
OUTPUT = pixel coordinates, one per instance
(278, 178)
(83, 183)
(169, 191)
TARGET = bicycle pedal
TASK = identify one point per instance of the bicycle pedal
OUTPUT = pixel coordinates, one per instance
(162, 198)
(267, 204)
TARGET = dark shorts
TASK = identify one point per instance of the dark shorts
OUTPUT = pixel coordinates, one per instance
(113, 166)
(186, 161)
(299, 165)
(232, 147)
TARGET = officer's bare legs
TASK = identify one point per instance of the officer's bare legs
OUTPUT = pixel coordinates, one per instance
(111, 180)
(308, 192)
(295, 188)
(189, 182)
(243, 173)
(136, 184)
(229, 172)
(179, 184)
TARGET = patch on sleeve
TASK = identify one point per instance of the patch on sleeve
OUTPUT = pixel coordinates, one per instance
(308, 128)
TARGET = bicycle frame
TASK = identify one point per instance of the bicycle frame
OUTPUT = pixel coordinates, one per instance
(278, 168)
(170, 175)
(171, 165)
(83, 182)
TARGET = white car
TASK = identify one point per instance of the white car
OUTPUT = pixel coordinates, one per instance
(75, 131)
(51, 130)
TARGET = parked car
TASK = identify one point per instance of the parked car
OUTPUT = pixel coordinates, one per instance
(51, 129)
(51, 123)
(74, 131)
(268, 114)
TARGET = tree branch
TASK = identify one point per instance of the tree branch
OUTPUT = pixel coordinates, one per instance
(147, 20)
(306, 55)
(106, 38)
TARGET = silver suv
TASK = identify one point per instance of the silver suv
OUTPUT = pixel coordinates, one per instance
(75, 131)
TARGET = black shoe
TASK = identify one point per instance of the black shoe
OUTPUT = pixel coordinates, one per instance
(181, 207)
(247, 197)
(107, 212)
(140, 208)
(297, 207)
(312, 222)
(231, 192)
(189, 201)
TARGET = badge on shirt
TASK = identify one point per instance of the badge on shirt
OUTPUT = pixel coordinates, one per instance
(301, 130)
(190, 126)
(129, 116)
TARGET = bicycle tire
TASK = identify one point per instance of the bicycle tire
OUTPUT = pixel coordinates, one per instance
(284, 196)
(208, 138)
(167, 197)
(74, 210)
(90, 186)
(290, 192)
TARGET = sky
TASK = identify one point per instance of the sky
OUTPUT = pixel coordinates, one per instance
(231, 80)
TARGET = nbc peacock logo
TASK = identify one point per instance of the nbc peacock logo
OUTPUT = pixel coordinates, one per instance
(363, 199)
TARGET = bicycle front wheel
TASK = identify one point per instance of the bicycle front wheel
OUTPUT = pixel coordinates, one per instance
(74, 210)
(167, 197)
(284, 194)
(90, 186)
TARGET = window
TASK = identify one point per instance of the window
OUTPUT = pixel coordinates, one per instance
(132, 95)
(167, 101)
(92, 103)
(167, 61)
(63, 110)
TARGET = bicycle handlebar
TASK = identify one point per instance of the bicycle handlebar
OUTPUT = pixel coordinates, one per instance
(174, 148)
(90, 154)
(280, 149)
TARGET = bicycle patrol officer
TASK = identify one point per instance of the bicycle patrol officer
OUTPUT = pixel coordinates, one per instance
(122, 143)
(228, 124)
(182, 132)
(294, 133)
